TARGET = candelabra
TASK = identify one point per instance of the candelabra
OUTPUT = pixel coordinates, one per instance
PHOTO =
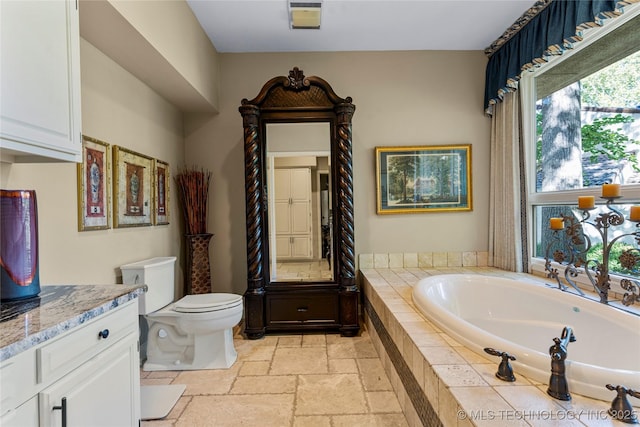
(571, 245)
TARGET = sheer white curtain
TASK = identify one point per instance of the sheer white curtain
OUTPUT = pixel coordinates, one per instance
(507, 204)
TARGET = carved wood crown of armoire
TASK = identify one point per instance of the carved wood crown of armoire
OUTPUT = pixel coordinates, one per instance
(273, 302)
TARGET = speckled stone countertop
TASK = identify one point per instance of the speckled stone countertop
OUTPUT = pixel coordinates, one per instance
(57, 309)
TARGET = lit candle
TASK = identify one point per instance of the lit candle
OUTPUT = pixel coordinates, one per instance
(586, 202)
(610, 190)
(556, 223)
(634, 213)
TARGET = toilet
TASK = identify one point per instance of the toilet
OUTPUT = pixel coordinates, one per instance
(195, 332)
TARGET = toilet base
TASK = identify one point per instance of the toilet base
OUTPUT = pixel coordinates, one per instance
(202, 351)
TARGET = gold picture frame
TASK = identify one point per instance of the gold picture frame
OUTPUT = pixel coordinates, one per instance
(94, 185)
(431, 178)
(132, 188)
(161, 192)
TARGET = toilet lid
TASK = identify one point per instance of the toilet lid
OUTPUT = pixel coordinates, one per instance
(206, 302)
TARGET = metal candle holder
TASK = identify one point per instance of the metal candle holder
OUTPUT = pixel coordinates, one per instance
(574, 245)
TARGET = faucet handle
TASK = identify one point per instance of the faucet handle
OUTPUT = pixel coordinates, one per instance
(568, 331)
(505, 371)
(621, 409)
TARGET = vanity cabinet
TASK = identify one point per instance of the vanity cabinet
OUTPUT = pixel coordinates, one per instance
(40, 81)
(86, 376)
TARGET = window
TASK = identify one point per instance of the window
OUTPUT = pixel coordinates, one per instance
(583, 115)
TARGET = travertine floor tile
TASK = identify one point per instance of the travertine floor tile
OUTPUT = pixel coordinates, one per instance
(302, 360)
(343, 366)
(287, 380)
(341, 394)
(264, 384)
(312, 421)
(290, 341)
(214, 381)
(259, 367)
(370, 420)
(155, 381)
(314, 340)
(158, 423)
(341, 350)
(161, 374)
(265, 410)
(261, 352)
(383, 402)
(373, 375)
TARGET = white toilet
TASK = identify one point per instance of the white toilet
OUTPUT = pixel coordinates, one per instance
(195, 332)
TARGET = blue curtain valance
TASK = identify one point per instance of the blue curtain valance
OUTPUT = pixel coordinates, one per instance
(548, 28)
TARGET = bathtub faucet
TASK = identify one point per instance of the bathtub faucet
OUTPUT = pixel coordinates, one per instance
(558, 387)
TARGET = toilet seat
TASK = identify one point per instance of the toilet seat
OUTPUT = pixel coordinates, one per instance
(201, 303)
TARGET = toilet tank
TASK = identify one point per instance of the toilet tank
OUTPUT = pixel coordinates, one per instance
(158, 275)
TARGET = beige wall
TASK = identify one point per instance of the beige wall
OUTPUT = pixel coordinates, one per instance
(401, 98)
(119, 109)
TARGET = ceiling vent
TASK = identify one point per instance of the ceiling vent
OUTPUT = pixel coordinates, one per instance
(305, 15)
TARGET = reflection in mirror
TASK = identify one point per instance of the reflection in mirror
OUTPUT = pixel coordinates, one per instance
(298, 189)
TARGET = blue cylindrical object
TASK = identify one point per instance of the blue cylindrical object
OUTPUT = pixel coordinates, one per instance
(19, 272)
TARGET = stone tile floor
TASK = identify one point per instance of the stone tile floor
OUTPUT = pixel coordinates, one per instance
(301, 270)
(287, 380)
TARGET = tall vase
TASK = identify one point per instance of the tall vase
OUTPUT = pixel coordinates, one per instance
(198, 266)
(19, 273)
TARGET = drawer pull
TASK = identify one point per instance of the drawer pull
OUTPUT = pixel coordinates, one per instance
(103, 334)
(303, 309)
(63, 409)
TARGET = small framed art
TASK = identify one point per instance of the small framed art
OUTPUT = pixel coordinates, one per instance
(132, 188)
(94, 182)
(161, 192)
(423, 179)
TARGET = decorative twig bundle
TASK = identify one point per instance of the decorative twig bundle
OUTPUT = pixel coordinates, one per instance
(194, 191)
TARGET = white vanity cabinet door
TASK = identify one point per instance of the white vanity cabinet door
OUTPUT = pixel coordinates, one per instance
(40, 81)
(18, 382)
(102, 392)
(26, 415)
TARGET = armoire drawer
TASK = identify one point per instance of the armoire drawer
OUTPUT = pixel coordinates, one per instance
(302, 308)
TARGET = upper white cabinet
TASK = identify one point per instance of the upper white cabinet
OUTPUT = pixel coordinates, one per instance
(40, 112)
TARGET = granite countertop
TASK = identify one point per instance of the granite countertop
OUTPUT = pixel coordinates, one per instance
(57, 309)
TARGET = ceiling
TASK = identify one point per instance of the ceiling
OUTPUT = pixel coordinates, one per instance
(358, 25)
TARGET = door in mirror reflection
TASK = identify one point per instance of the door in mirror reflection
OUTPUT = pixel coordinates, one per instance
(299, 188)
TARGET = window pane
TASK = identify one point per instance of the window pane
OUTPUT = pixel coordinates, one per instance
(588, 132)
(588, 245)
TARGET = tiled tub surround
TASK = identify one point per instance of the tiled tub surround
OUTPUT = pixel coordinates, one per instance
(57, 309)
(423, 260)
(440, 382)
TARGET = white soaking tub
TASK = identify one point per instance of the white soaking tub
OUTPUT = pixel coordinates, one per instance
(522, 318)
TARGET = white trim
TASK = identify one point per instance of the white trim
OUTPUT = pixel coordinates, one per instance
(631, 193)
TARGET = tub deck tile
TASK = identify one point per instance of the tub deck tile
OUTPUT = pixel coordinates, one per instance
(451, 377)
(485, 409)
(459, 375)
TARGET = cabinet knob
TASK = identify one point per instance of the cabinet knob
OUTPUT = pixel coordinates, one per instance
(303, 309)
(103, 334)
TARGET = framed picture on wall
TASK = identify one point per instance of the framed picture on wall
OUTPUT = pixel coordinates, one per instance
(94, 185)
(132, 187)
(423, 179)
(161, 192)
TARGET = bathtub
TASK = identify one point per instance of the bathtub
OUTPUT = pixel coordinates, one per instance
(522, 318)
